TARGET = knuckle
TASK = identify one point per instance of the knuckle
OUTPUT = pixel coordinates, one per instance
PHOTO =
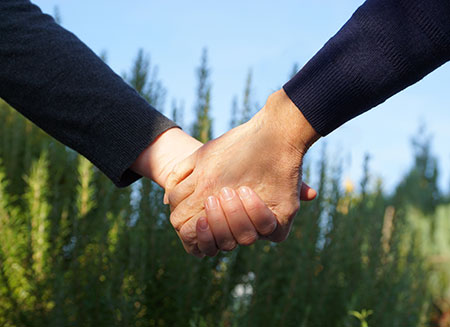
(228, 245)
(267, 229)
(172, 196)
(248, 238)
(206, 184)
(254, 206)
(232, 210)
(175, 173)
(188, 235)
(172, 175)
(171, 180)
(232, 207)
(175, 221)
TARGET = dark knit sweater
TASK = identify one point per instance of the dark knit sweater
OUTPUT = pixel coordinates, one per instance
(52, 78)
(386, 46)
(57, 82)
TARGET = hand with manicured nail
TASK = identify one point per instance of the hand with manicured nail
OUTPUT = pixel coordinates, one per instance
(211, 210)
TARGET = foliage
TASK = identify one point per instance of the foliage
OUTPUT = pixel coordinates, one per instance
(419, 186)
(202, 128)
(248, 108)
(76, 251)
(362, 316)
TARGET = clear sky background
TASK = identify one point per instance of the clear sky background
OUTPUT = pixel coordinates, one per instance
(268, 37)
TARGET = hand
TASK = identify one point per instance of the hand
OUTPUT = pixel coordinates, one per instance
(243, 216)
(264, 154)
(170, 148)
(164, 153)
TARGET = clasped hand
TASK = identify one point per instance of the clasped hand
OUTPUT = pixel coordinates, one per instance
(243, 185)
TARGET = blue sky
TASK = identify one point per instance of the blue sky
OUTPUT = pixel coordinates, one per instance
(268, 37)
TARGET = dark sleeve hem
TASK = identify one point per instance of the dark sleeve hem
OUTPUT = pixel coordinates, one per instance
(128, 177)
(385, 47)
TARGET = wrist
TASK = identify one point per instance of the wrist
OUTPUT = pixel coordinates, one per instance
(160, 157)
(284, 119)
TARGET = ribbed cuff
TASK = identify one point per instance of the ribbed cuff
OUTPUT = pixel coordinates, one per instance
(384, 47)
(136, 133)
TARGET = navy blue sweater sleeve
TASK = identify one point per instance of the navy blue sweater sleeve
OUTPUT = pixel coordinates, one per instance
(386, 46)
(53, 79)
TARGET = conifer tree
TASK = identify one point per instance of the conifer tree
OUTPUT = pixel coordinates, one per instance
(240, 115)
(419, 187)
(178, 112)
(77, 251)
(202, 128)
(247, 105)
(144, 79)
(234, 113)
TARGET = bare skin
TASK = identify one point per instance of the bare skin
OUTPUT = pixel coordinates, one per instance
(173, 146)
(264, 154)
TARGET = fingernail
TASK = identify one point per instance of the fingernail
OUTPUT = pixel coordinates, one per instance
(244, 192)
(227, 193)
(211, 203)
(202, 223)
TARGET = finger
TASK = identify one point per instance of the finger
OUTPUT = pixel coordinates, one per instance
(240, 224)
(188, 236)
(196, 252)
(280, 233)
(205, 238)
(307, 193)
(191, 248)
(218, 224)
(181, 191)
(261, 216)
(180, 172)
(185, 211)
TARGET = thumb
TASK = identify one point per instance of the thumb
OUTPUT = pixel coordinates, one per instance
(181, 170)
(307, 193)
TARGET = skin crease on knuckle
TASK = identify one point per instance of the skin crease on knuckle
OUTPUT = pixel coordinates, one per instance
(182, 191)
(227, 245)
(175, 221)
(178, 219)
(186, 210)
(267, 228)
(188, 234)
(248, 238)
(231, 209)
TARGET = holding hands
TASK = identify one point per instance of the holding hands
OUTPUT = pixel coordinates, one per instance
(244, 184)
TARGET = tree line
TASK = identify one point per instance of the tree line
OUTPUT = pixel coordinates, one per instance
(77, 251)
